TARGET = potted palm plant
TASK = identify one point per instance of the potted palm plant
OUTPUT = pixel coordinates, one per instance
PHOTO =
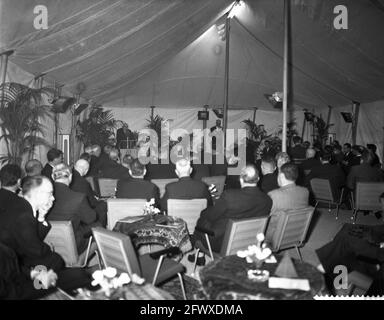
(21, 118)
(97, 128)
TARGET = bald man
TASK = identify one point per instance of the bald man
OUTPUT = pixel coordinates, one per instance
(307, 165)
(186, 187)
(247, 202)
(33, 167)
(80, 184)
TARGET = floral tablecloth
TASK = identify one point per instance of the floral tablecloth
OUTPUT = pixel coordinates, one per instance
(159, 229)
(226, 279)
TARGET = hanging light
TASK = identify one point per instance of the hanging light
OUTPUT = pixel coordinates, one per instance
(235, 9)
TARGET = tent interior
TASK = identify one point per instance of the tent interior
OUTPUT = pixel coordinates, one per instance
(130, 55)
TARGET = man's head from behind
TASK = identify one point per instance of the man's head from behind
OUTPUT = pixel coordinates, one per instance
(183, 168)
(10, 176)
(62, 173)
(82, 167)
(127, 161)
(137, 169)
(268, 165)
(367, 157)
(249, 176)
(33, 168)
(55, 156)
(310, 153)
(38, 190)
(288, 174)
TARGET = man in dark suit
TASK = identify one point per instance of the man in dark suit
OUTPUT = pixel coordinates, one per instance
(136, 187)
(246, 202)
(186, 187)
(80, 184)
(268, 151)
(10, 176)
(297, 152)
(310, 160)
(331, 172)
(376, 160)
(54, 157)
(111, 168)
(364, 172)
(351, 246)
(23, 226)
(72, 206)
(268, 181)
(122, 136)
(348, 159)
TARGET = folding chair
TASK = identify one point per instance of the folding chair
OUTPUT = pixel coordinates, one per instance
(62, 239)
(239, 234)
(121, 208)
(107, 187)
(188, 210)
(323, 192)
(291, 229)
(161, 183)
(117, 251)
(367, 197)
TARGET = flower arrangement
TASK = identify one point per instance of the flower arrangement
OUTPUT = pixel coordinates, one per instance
(109, 282)
(150, 209)
(257, 253)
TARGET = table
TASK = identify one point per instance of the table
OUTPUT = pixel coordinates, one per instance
(226, 279)
(128, 292)
(149, 230)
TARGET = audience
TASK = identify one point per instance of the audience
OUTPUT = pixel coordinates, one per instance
(54, 157)
(247, 202)
(33, 168)
(376, 160)
(364, 172)
(95, 152)
(72, 206)
(10, 176)
(348, 160)
(268, 181)
(136, 187)
(80, 184)
(288, 196)
(186, 187)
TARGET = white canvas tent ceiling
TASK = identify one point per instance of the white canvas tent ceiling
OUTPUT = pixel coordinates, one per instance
(167, 52)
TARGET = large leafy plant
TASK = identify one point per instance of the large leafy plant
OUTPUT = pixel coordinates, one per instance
(21, 115)
(322, 129)
(97, 128)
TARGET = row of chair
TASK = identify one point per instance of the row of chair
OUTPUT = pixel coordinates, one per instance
(106, 187)
(366, 196)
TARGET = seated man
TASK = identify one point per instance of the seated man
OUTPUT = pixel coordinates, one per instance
(33, 168)
(19, 284)
(247, 202)
(364, 172)
(136, 187)
(268, 181)
(288, 196)
(351, 246)
(23, 226)
(186, 187)
(310, 161)
(331, 172)
(72, 206)
(54, 157)
(80, 184)
(10, 176)
(112, 169)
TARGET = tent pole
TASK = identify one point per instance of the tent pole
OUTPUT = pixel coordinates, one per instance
(285, 81)
(356, 110)
(226, 79)
(254, 115)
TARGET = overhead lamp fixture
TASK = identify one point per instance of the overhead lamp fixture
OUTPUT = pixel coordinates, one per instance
(234, 9)
(276, 99)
